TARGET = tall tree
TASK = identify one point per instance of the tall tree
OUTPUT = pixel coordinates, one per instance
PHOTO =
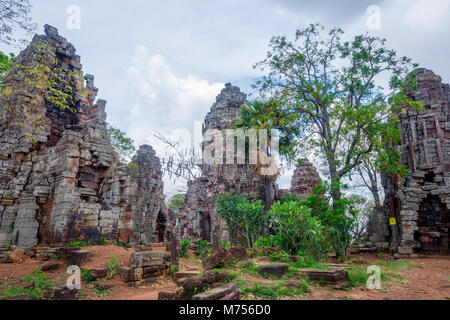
(333, 88)
(14, 17)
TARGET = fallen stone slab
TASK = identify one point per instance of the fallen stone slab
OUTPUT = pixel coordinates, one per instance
(234, 296)
(204, 282)
(78, 258)
(146, 259)
(168, 295)
(334, 277)
(278, 270)
(217, 293)
(50, 266)
(98, 273)
(185, 274)
(17, 256)
(61, 292)
(130, 274)
(219, 259)
(181, 281)
(239, 253)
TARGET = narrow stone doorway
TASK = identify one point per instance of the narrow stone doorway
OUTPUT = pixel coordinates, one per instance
(161, 227)
(205, 225)
(433, 224)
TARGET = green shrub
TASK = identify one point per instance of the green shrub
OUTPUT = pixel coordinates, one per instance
(113, 266)
(245, 219)
(87, 276)
(269, 242)
(102, 241)
(203, 248)
(184, 248)
(225, 244)
(280, 257)
(302, 233)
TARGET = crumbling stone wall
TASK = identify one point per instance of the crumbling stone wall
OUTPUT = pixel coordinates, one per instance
(61, 180)
(421, 202)
(198, 218)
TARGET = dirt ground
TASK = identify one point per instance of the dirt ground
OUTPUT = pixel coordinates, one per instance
(423, 278)
(428, 279)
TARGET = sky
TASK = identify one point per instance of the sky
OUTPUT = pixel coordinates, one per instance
(160, 64)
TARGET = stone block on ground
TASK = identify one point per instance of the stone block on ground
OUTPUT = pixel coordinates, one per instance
(168, 295)
(239, 253)
(146, 259)
(17, 256)
(185, 274)
(61, 292)
(201, 283)
(50, 266)
(233, 296)
(78, 258)
(217, 293)
(277, 270)
(334, 277)
(219, 259)
(98, 273)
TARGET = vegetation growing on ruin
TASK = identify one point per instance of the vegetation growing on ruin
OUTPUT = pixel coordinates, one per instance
(122, 143)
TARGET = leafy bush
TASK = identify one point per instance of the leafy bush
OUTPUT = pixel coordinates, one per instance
(184, 248)
(203, 248)
(302, 233)
(245, 219)
(225, 244)
(113, 266)
(338, 220)
(269, 242)
(87, 276)
(279, 257)
(102, 241)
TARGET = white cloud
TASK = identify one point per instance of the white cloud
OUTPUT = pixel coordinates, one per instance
(165, 102)
(426, 13)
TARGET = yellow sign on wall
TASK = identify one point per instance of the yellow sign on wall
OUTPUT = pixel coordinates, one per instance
(392, 221)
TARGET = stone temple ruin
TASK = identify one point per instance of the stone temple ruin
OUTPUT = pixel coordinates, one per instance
(198, 216)
(63, 181)
(304, 179)
(420, 203)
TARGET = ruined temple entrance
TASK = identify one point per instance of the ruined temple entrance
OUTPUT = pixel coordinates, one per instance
(205, 225)
(161, 227)
(433, 224)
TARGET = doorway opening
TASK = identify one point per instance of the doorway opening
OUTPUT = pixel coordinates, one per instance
(433, 224)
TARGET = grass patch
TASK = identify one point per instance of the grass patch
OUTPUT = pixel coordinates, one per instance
(274, 291)
(250, 268)
(447, 279)
(32, 286)
(395, 265)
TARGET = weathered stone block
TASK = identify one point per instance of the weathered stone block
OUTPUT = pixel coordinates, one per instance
(146, 259)
(217, 293)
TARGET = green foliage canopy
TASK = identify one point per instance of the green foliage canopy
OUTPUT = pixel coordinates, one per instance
(327, 94)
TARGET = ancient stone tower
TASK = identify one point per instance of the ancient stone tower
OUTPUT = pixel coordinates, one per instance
(60, 178)
(198, 215)
(304, 179)
(421, 202)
